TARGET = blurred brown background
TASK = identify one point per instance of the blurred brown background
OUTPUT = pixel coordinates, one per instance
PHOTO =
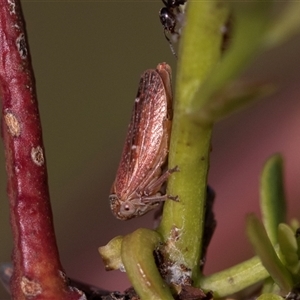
(87, 58)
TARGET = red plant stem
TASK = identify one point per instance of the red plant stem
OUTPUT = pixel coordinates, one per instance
(38, 273)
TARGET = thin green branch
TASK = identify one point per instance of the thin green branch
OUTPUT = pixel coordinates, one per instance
(249, 26)
(235, 279)
(285, 26)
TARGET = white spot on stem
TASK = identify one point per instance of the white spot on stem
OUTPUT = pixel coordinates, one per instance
(37, 156)
(30, 288)
(13, 124)
(12, 6)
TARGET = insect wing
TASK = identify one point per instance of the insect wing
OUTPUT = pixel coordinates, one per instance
(145, 135)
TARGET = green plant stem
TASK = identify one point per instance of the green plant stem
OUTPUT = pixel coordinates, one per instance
(137, 256)
(182, 223)
(234, 279)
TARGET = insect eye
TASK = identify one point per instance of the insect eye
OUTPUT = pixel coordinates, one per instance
(127, 209)
(113, 197)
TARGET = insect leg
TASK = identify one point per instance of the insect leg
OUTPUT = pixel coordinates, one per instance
(157, 183)
(158, 198)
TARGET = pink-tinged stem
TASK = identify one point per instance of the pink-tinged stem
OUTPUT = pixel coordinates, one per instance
(38, 273)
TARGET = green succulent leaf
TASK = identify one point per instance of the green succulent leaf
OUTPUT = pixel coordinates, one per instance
(272, 198)
(270, 286)
(265, 250)
(288, 248)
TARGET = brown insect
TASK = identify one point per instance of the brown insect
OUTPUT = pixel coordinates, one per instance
(140, 176)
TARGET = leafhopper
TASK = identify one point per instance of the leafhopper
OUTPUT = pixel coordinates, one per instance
(138, 186)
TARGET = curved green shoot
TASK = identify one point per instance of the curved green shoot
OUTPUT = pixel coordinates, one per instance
(137, 256)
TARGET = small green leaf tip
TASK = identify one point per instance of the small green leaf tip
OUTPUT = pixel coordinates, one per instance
(111, 254)
(265, 250)
(272, 196)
